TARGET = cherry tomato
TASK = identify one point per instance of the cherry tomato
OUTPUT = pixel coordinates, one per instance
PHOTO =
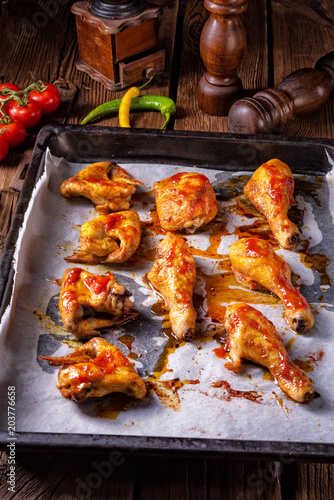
(4, 148)
(10, 86)
(29, 114)
(13, 133)
(48, 99)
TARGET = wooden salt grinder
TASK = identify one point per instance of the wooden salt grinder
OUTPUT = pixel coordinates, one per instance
(300, 93)
(222, 47)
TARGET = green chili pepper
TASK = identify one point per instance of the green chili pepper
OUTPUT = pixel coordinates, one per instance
(165, 105)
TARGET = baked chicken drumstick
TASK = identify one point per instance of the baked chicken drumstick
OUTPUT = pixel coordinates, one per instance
(108, 238)
(100, 294)
(95, 369)
(270, 189)
(173, 275)
(185, 201)
(252, 336)
(106, 184)
(256, 265)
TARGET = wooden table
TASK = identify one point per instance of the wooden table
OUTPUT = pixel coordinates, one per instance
(40, 37)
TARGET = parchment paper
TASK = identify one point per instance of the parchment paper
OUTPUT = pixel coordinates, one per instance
(51, 231)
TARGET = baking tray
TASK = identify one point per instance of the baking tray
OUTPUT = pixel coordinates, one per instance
(231, 153)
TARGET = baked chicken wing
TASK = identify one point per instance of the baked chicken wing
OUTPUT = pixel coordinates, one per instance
(95, 369)
(256, 265)
(270, 189)
(106, 184)
(173, 275)
(108, 238)
(252, 336)
(185, 201)
(82, 290)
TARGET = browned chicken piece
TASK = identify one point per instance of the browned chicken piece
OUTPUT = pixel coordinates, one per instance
(252, 336)
(95, 369)
(270, 189)
(185, 201)
(106, 184)
(82, 290)
(256, 265)
(108, 238)
(173, 275)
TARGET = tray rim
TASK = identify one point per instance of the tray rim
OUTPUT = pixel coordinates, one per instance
(61, 441)
(289, 451)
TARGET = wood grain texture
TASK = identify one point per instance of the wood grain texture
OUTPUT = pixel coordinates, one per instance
(253, 71)
(41, 37)
(300, 51)
(321, 11)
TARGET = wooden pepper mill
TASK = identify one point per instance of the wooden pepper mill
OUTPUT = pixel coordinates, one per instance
(300, 93)
(223, 47)
(118, 41)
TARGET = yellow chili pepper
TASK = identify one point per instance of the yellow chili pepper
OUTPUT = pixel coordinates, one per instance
(124, 108)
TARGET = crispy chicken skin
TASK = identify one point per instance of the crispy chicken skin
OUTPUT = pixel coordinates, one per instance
(252, 336)
(111, 238)
(270, 189)
(256, 265)
(185, 201)
(106, 184)
(101, 294)
(95, 369)
(173, 275)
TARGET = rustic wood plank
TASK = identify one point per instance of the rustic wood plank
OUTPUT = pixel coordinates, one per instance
(321, 11)
(241, 480)
(309, 481)
(253, 71)
(293, 50)
(71, 475)
(171, 478)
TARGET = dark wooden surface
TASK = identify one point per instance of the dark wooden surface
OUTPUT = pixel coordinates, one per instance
(283, 36)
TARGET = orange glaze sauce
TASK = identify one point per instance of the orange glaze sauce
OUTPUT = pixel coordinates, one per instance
(84, 373)
(112, 221)
(109, 361)
(224, 288)
(221, 351)
(279, 182)
(259, 229)
(160, 309)
(319, 263)
(216, 229)
(154, 224)
(97, 284)
(255, 249)
(127, 340)
(72, 276)
(110, 406)
(69, 300)
(291, 297)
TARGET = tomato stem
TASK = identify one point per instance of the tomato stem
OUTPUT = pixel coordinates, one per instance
(38, 86)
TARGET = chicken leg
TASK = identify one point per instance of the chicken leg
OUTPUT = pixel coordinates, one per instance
(270, 189)
(256, 265)
(173, 275)
(252, 336)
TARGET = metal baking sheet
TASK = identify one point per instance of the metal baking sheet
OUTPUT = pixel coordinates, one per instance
(238, 416)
